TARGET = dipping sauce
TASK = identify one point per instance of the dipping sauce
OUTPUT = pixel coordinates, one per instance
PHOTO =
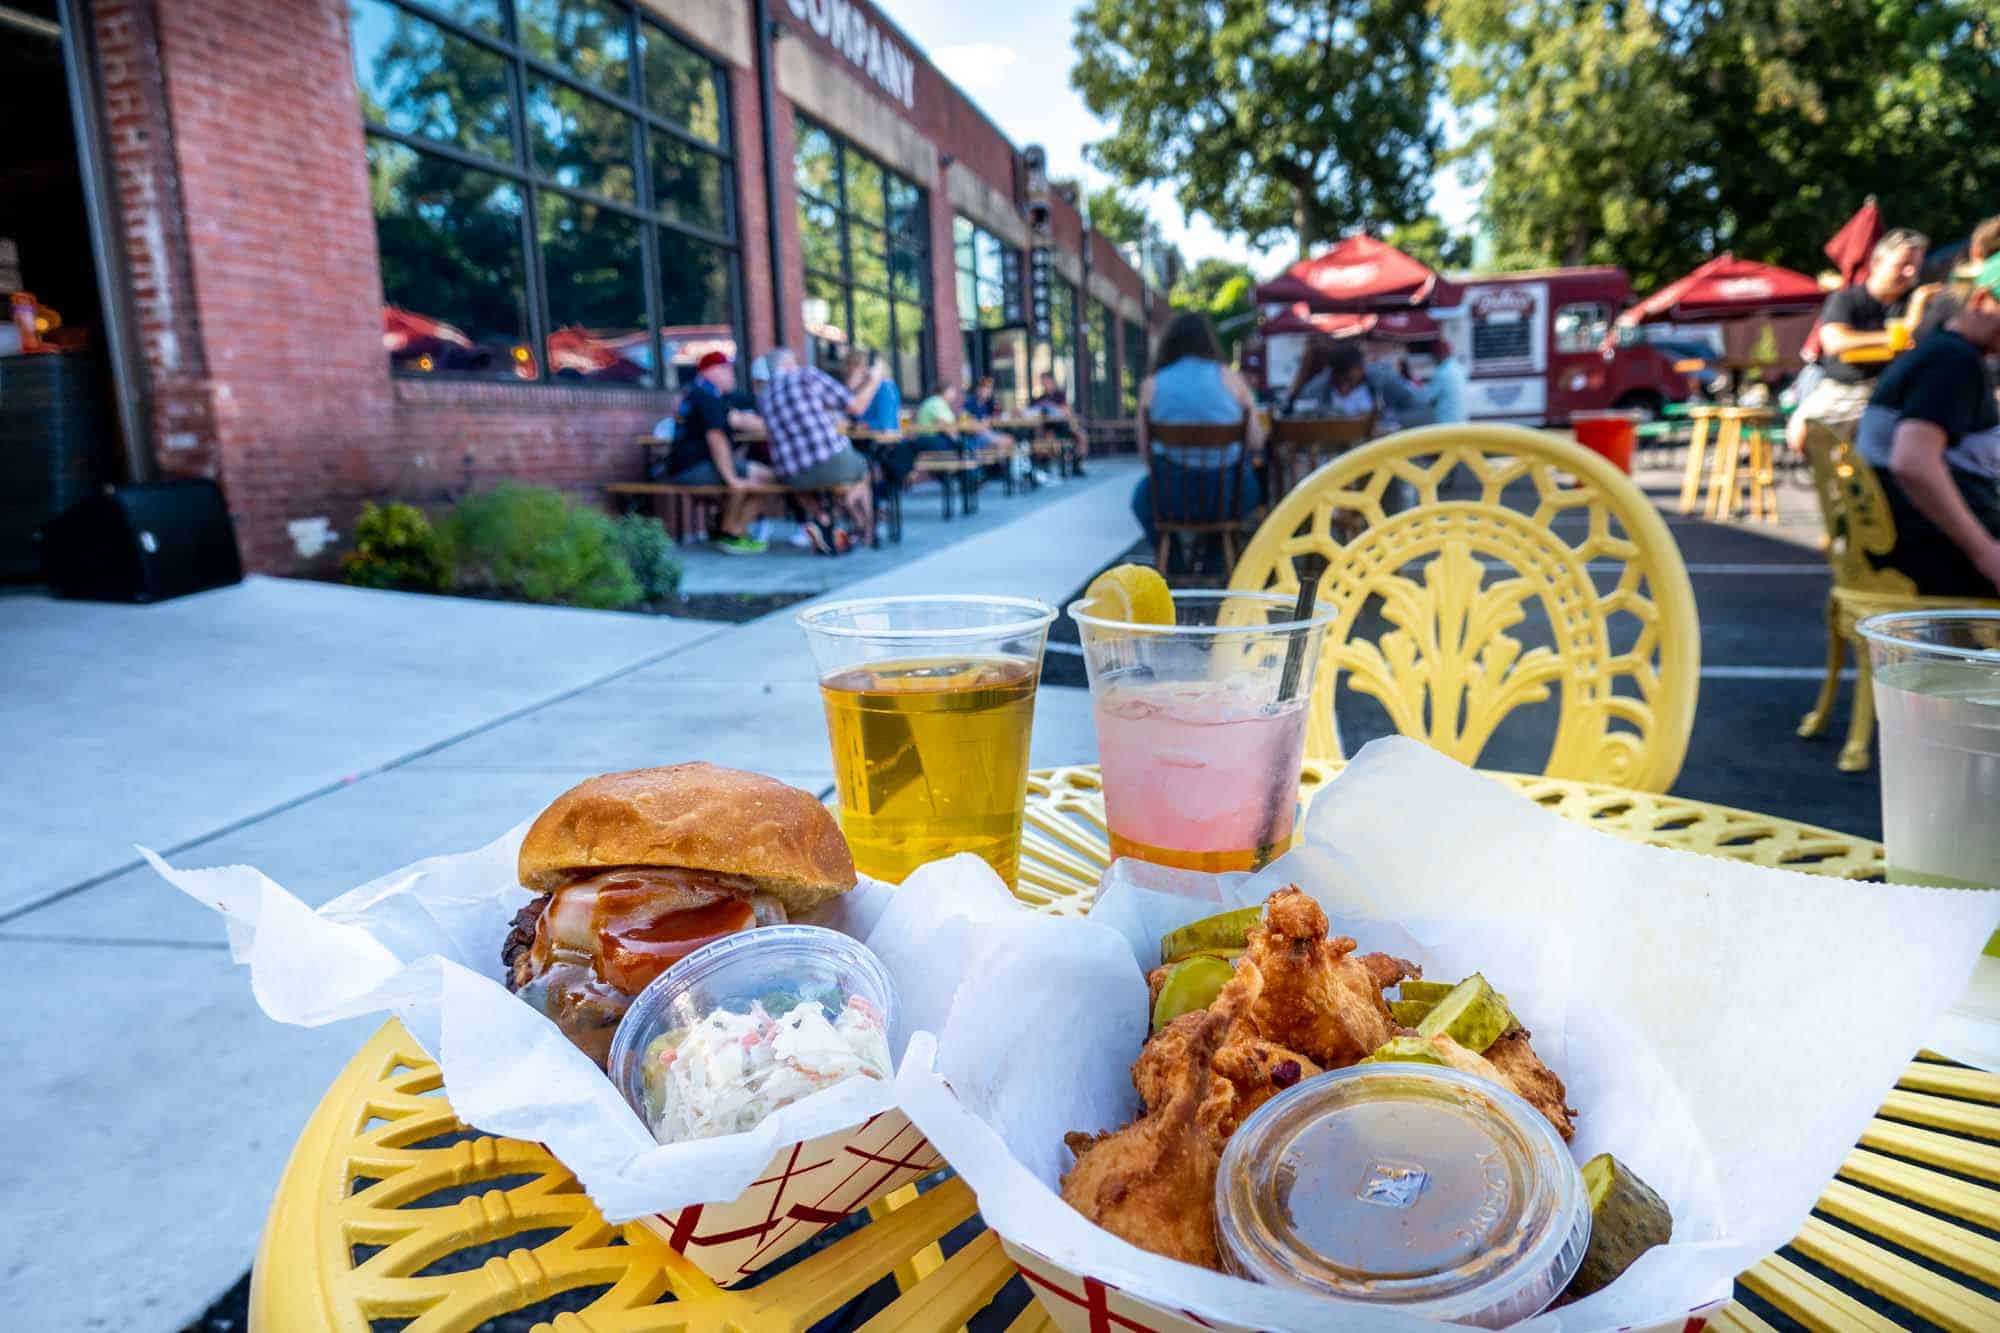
(1412, 1186)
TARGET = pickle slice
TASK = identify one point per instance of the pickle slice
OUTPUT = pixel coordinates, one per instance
(1409, 1013)
(1474, 1015)
(1227, 930)
(1430, 992)
(1192, 984)
(1626, 1219)
(1406, 1050)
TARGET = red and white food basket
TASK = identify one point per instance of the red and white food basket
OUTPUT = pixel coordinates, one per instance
(424, 943)
(1725, 1030)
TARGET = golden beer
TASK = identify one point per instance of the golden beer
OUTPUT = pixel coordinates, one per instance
(930, 756)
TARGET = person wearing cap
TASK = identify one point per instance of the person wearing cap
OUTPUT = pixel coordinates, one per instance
(705, 454)
(1932, 431)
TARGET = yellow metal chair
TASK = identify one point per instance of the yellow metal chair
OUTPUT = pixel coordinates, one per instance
(1858, 525)
(1626, 662)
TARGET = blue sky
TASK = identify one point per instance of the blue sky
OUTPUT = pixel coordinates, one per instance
(1013, 57)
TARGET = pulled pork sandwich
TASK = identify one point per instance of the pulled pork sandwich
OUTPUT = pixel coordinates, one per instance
(637, 870)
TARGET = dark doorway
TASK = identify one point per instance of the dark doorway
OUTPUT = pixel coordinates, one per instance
(58, 419)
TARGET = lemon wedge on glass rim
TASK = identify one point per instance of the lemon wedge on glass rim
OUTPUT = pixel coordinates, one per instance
(1135, 594)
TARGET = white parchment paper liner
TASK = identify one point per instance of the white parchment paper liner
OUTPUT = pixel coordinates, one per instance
(1726, 1030)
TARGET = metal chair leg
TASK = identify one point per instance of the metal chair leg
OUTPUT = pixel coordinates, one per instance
(1855, 756)
(1813, 723)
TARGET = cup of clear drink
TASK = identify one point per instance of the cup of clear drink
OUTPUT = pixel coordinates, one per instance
(1937, 704)
(1199, 740)
(929, 706)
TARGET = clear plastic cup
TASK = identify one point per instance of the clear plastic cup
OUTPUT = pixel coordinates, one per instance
(1937, 704)
(1405, 1185)
(1199, 740)
(929, 705)
(776, 967)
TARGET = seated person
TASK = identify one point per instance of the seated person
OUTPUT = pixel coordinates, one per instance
(1398, 403)
(984, 403)
(877, 406)
(936, 422)
(808, 451)
(1332, 381)
(704, 453)
(1190, 385)
(1933, 434)
(1856, 319)
(1443, 395)
(1053, 405)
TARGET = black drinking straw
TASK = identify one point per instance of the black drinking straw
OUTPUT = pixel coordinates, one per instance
(1308, 567)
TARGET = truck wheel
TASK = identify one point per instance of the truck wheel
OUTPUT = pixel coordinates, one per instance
(1641, 400)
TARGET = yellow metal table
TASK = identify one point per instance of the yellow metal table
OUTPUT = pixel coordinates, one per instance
(386, 1190)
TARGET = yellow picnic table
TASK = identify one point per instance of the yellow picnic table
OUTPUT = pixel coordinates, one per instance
(386, 1190)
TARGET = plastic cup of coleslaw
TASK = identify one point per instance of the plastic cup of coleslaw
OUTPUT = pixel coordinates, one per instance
(749, 1023)
(1410, 1186)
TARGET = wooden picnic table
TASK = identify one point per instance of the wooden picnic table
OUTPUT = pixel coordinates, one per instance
(1909, 1218)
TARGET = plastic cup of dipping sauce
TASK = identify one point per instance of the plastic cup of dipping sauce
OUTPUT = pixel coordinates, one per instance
(1407, 1186)
(749, 1023)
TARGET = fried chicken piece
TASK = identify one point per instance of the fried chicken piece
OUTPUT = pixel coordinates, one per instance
(1318, 997)
(1537, 1085)
(1249, 1072)
(1153, 1182)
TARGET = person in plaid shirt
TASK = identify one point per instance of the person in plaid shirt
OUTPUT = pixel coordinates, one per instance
(798, 404)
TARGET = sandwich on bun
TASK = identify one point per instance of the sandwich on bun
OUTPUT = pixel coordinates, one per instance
(637, 870)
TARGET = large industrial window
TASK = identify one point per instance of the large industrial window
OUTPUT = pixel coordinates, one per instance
(552, 186)
(865, 233)
(1103, 377)
(1137, 367)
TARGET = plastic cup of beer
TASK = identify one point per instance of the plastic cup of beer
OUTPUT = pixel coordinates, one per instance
(1937, 701)
(929, 706)
(1199, 740)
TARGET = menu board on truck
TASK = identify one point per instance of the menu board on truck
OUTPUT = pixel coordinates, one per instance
(1509, 329)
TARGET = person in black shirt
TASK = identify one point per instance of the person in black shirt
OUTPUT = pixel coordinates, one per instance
(1933, 432)
(705, 454)
(1857, 318)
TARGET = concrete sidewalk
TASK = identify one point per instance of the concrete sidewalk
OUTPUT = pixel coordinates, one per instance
(327, 735)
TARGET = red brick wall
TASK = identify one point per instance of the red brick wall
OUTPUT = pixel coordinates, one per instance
(237, 149)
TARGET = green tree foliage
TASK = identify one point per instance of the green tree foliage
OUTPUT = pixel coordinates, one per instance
(1118, 219)
(1268, 116)
(533, 544)
(649, 549)
(1656, 133)
(1220, 289)
(1431, 241)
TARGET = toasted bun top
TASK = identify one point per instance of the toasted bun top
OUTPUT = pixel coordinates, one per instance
(698, 817)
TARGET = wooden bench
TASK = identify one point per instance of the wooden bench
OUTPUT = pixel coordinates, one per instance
(1118, 435)
(954, 471)
(688, 508)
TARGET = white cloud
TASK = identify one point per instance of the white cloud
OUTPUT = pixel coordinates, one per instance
(975, 66)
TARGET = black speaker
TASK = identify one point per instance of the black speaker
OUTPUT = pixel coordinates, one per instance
(142, 544)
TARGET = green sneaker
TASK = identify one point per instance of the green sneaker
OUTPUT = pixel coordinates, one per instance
(741, 546)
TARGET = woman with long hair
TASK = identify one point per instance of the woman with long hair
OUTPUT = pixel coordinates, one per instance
(1190, 385)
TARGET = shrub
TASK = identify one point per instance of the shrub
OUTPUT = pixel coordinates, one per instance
(649, 549)
(533, 544)
(396, 547)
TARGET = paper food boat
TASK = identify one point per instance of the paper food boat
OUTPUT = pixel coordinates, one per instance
(1078, 1304)
(806, 1189)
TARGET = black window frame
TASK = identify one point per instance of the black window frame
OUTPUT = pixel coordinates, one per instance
(1102, 356)
(1134, 356)
(641, 24)
(966, 236)
(910, 234)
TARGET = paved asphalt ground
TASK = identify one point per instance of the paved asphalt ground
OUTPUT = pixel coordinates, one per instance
(327, 735)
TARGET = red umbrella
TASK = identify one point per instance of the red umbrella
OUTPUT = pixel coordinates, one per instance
(1852, 245)
(1727, 288)
(1404, 326)
(1359, 274)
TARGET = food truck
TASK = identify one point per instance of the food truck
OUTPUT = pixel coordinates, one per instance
(1533, 345)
